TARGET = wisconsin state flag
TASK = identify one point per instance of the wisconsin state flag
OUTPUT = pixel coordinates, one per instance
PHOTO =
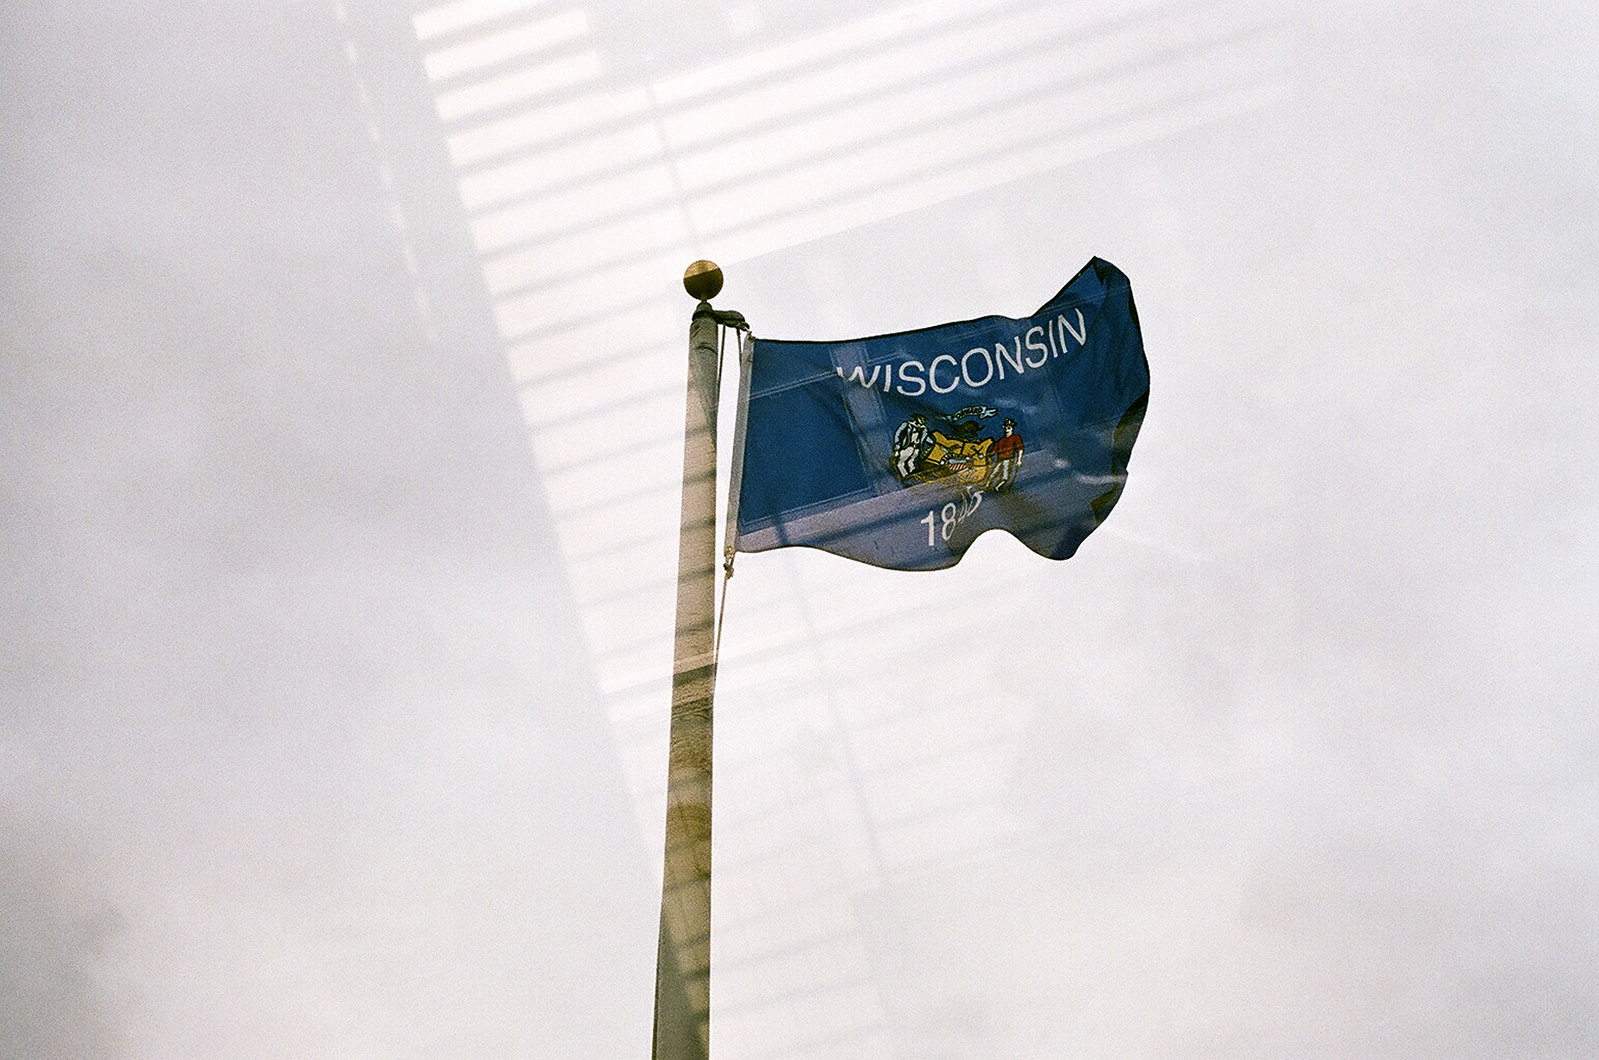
(899, 450)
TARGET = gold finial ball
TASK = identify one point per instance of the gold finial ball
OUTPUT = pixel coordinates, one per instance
(703, 280)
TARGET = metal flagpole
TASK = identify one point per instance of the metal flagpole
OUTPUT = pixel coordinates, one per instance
(683, 958)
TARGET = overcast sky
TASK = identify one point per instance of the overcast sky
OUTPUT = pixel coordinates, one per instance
(342, 383)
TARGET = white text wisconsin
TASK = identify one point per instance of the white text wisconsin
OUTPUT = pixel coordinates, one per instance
(978, 366)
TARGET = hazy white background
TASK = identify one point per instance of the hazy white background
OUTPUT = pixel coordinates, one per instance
(342, 357)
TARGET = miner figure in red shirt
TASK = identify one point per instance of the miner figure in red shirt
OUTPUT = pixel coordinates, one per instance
(1006, 453)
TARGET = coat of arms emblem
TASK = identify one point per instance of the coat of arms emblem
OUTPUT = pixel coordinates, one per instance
(958, 450)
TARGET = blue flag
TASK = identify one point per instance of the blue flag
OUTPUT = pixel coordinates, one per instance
(898, 450)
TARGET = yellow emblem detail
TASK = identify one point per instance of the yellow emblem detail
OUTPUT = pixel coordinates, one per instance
(966, 459)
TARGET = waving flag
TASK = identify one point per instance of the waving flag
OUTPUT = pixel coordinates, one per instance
(899, 450)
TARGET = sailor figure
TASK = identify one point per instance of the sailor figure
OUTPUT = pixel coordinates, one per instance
(908, 441)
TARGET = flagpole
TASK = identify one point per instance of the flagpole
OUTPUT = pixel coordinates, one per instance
(683, 957)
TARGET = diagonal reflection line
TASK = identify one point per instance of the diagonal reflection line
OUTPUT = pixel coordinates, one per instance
(550, 75)
(1049, 45)
(1147, 62)
(863, 618)
(644, 111)
(1125, 120)
(653, 204)
(683, 102)
(862, 38)
(510, 249)
(907, 86)
(494, 50)
(443, 20)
